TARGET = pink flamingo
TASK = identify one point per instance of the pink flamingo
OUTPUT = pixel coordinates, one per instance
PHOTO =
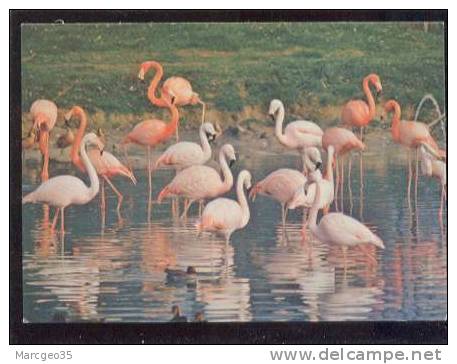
(197, 183)
(224, 215)
(432, 167)
(343, 142)
(44, 115)
(150, 133)
(359, 113)
(337, 228)
(298, 134)
(62, 191)
(411, 134)
(106, 164)
(174, 87)
(282, 183)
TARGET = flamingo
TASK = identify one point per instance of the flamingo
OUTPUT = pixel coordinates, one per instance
(106, 164)
(150, 133)
(186, 154)
(343, 142)
(174, 87)
(282, 183)
(337, 228)
(201, 182)
(224, 215)
(359, 113)
(432, 167)
(411, 134)
(65, 190)
(327, 188)
(44, 115)
(298, 134)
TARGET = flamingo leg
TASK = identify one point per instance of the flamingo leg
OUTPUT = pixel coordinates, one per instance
(345, 253)
(200, 208)
(149, 183)
(54, 220)
(304, 222)
(368, 254)
(102, 197)
(351, 205)
(409, 178)
(442, 201)
(342, 184)
(416, 175)
(45, 172)
(184, 214)
(283, 215)
(337, 184)
(116, 191)
(62, 220)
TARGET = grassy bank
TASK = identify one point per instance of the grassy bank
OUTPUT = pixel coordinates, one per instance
(236, 68)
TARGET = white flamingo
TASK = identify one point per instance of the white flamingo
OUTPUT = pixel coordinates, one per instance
(224, 215)
(298, 134)
(337, 228)
(62, 191)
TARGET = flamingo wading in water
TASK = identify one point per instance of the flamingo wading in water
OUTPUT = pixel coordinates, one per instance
(62, 191)
(337, 228)
(411, 134)
(150, 133)
(174, 87)
(282, 183)
(432, 167)
(105, 164)
(298, 135)
(343, 142)
(224, 215)
(202, 182)
(186, 154)
(44, 115)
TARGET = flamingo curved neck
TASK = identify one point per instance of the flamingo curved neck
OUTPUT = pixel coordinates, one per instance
(370, 98)
(74, 153)
(154, 83)
(242, 199)
(94, 182)
(312, 220)
(173, 124)
(279, 122)
(206, 147)
(228, 177)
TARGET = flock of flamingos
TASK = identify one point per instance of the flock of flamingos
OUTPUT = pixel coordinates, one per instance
(197, 182)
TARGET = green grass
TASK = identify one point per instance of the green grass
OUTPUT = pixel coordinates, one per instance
(309, 65)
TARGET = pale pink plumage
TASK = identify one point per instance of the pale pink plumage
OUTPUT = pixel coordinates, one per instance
(185, 154)
(62, 191)
(202, 182)
(224, 215)
(298, 134)
(337, 228)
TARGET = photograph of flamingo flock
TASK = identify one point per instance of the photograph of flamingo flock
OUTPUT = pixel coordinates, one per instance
(208, 172)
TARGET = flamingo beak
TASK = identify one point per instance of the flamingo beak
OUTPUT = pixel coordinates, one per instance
(101, 151)
(173, 98)
(232, 162)
(272, 116)
(318, 165)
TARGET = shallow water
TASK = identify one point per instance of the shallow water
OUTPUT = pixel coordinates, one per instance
(114, 271)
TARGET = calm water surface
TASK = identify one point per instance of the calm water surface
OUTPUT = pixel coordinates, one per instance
(115, 271)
